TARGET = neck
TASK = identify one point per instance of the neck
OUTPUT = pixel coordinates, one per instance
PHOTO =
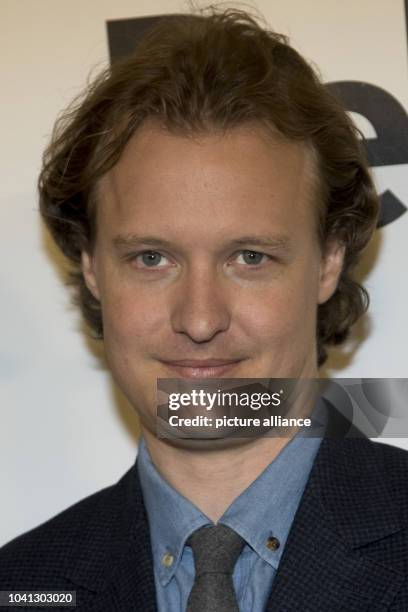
(212, 478)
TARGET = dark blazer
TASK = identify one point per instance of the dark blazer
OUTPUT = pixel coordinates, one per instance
(347, 549)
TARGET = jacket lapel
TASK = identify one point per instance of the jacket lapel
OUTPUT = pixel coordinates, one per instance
(113, 567)
(346, 506)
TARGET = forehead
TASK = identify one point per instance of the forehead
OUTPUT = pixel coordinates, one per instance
(172, 181)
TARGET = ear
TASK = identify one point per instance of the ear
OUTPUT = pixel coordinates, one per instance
(330, 270)
(88, 270)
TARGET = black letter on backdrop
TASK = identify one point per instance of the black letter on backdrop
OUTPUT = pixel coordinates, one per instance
(390, 122)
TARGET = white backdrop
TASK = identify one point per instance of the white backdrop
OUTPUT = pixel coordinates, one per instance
(59, 411)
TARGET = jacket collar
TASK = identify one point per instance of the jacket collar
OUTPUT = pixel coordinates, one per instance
(114, 554)
(348, 504)
(350, 479)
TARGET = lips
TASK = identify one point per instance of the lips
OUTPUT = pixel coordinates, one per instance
(203, 368)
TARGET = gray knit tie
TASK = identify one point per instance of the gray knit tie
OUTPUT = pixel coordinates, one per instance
(216, 550)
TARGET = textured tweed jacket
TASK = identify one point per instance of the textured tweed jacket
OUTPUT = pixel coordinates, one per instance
(347, 549)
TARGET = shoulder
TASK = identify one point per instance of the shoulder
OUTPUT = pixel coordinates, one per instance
(360, 473)
(47, 549)
(361, 450)
(395, 462)
(393, 459)
(41, 557)
(391, 454)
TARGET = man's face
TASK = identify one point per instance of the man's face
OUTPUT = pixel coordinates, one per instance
(206, 261)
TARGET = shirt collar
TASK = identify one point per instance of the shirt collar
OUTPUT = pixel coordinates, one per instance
(265, 509)
(172, 517)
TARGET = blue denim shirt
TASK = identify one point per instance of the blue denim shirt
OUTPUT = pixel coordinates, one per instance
(266, 508)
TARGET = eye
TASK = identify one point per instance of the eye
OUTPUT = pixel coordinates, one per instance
(252, 258)
(151, 259)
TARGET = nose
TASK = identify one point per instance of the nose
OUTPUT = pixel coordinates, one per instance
(200, 309)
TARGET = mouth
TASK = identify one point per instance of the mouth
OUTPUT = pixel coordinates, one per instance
(204, 368)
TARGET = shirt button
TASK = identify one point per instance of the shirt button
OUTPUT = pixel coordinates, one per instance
(167, 560)
(272, 543)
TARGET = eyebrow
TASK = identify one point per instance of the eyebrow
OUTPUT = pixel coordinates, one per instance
(278, 241)
(281, 242)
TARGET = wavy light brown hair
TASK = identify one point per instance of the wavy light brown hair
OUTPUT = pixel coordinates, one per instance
(211, 72)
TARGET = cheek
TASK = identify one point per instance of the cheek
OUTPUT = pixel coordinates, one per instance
(130, 318)
(277, 315)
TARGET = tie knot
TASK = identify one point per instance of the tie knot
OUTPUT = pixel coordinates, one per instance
(215, 549)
